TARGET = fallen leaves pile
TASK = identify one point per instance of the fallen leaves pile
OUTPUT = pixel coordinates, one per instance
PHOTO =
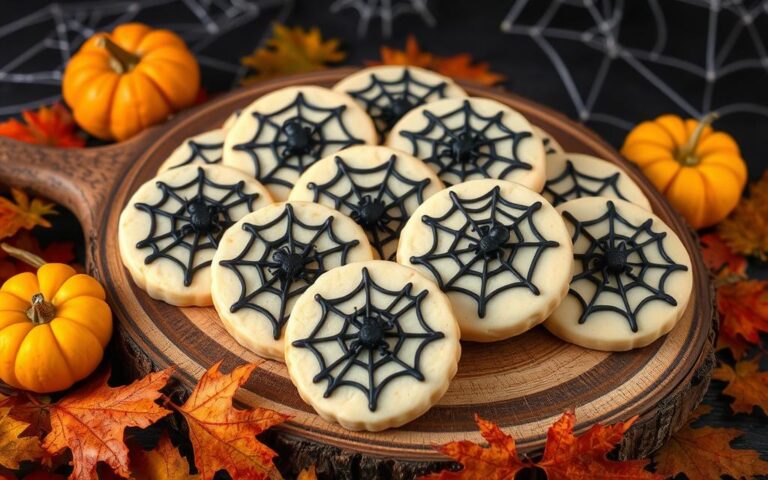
(49, 126)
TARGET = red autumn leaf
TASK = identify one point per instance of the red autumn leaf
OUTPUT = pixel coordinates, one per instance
(746, 384)
(55, 252)
(224, 437)
(719, 257)
(743, 307)
(91, 421)
(52, 126)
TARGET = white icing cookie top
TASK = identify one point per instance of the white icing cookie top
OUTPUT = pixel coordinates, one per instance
(632, 276)
(497, 249)
(281, 134)
(268, 258)
(551, 146)
(231, 119)
(575, 175)
(202, 149)
(388, 92)
(171, 227)
(372, 345)
(470, 139)
(378, 187)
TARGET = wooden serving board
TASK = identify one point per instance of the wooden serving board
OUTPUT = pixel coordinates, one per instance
(523, 384)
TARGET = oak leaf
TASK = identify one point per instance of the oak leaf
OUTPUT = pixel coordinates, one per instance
(224, 438)
(746, 384)
(743, 307)
(164, 462)
(15, 448)
(705, 453)
(719, 257)
(746, 229)
(91, 421)
(292, 50)
(23, 213)
(51, 126)
(459, 66)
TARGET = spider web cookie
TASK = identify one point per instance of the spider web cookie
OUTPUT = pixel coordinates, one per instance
(470, 139)
(575, 175)
(269, 258)
(378, 187)
(490, 244)
(390, 91)
(171, 227)
(281, 134)
(551, 146)
(632, 276)
(203, 149)
(372, 345)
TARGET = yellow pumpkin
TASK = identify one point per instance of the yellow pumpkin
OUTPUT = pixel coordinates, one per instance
(54, 326)
(699, 170)
(120, 83)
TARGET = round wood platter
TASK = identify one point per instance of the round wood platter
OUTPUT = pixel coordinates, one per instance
(523, 384)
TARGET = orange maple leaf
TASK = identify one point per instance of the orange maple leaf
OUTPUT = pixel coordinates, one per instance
(705, 453)
(743, 307)
(719, 257)
(90, 422)
(52, 126)
(23, 213)
(746, 384)
(459, 66)
(13, 446)
(164, 462)
(746, 229)
(566, 457)
(224, 438)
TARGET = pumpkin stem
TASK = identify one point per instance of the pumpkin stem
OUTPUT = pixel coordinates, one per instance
(41, 311)
(124, 60)
(29, 258)
(686, 154)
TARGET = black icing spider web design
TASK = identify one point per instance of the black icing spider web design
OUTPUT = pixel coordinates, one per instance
(580, 185)
(208, 153)
(466, 150)
(386, 101)
(286, 266)
(296, 142)
(493, 233)
(370, 338)
(373, 204)
(186, 226)
(617, 263)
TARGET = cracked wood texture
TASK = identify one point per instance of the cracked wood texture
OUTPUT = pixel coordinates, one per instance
(523, 383)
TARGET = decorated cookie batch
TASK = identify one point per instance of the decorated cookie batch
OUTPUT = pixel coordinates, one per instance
(362, 265)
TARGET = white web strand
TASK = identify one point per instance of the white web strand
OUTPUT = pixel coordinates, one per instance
(386, 10)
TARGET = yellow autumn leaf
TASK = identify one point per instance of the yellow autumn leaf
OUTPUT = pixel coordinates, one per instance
(23, 213)
(292, 50)
(14, 449)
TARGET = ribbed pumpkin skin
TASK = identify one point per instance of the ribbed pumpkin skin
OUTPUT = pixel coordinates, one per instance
(704, 193)
(115, 105)
(51, 356)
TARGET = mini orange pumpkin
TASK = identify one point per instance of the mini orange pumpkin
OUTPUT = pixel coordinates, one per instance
(120, 83)
(54, 326)
(700, 171)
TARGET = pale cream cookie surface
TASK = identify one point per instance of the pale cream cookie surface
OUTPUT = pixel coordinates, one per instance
(378, 187)
(472, 138)
(202, 149)
(269, 258)
(170, 228)
(372, 345)
(499, 250)
(551, 146)
(632, 276)
(281, 134)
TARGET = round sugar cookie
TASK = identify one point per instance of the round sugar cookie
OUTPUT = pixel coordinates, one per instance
(388, 92)
(378, 187)
(497, 249)
(551, 146)
(279, 135)
(372, 345)
(632, 277)
(171, 227)
(231, 119)
(576, 175)
(472, 138)
(268, 258)
(203, 149)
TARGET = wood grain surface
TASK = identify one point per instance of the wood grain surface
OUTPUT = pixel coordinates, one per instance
(523, 383)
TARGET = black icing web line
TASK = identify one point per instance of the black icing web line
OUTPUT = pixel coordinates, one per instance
(578, 190)
(467, 150)
(287, 266)
(616, 264)
(370, 337)
(386, 101)
(198, 150)
(486, 245)
(298, 142)
(195, 223)
(377, 208)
